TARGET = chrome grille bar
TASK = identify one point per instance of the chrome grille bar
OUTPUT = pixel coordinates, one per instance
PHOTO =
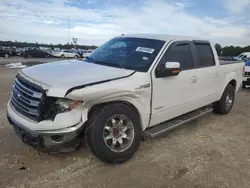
(28, 91)
(27, 98)
(23, 108)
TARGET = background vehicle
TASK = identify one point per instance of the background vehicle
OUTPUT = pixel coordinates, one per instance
(86, 53)
(35, 52)
(5, 53)
(66, 53)
(243, 56)
(246, 79)
(132, 87)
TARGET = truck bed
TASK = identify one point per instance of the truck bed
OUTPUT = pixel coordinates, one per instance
(226, 62)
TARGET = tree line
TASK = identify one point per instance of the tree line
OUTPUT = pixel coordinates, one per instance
(52, 46)
(231, 50)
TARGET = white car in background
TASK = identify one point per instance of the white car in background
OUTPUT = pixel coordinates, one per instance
(66, 53)
(86, 53)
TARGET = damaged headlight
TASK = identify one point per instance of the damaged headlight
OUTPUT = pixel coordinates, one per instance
(66, 105)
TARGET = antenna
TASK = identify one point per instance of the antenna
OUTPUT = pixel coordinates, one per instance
(69, 32)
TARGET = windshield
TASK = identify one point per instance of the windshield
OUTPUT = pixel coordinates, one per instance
(241, 55)
(129, 53)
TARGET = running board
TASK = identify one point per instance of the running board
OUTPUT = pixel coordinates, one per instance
(176, 122)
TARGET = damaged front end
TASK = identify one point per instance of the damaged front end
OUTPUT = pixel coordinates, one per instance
(44, 122)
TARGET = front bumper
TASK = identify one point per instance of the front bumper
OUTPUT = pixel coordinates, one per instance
(246, 80)
(48, 140)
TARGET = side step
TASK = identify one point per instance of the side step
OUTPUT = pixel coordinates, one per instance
(176, 122)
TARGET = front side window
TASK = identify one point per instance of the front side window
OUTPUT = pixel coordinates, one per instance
(180, 53)
(127, 52)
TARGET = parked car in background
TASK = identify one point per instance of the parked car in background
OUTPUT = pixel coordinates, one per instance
(19, 51)
(226, 58)
(65, 53)
(243, 56)
(5, 52)
(35, 52)
(132, 87)
(246, 78)
(86, 53)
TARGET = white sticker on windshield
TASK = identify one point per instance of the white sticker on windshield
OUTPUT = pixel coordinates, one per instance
(145, 50)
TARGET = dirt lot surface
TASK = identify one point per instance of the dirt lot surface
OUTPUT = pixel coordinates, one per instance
(213, 151)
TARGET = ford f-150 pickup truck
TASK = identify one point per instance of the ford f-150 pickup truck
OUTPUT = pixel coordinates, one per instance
(133, 87)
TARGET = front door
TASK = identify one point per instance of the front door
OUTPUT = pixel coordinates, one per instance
(175, 95)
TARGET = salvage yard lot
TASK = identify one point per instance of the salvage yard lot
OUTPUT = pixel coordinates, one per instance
(213, 151)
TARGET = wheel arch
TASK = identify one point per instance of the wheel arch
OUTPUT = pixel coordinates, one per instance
(233, 83)
(101, 105)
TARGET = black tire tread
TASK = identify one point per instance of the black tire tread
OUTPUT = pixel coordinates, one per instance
(219, 107)
(100, 153)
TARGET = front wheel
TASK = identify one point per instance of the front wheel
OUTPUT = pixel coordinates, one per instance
(76, 56)
(114, 133)
(6, 55)
(225, 104)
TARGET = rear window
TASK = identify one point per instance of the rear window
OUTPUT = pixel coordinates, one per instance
(205, 55)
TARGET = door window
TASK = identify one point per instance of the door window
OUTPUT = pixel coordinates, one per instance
(179, 53)
(205, 55)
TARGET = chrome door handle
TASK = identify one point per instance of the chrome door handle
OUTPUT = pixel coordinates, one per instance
(193, 79)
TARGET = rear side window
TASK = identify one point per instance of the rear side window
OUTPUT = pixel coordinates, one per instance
(179, 53)
(205, 55)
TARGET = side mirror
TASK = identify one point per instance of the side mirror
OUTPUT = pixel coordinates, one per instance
(169, 69)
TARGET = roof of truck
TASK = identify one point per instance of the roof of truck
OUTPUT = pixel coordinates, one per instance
(163, 37)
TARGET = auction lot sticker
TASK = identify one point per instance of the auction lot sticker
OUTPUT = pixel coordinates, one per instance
(145, 50)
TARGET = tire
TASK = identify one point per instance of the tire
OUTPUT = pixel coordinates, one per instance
(243, 85)
(6, 55)
(62, 56)
(76, 56)
(225, 104)
(96, 131)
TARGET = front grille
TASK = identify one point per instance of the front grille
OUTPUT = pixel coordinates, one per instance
(247, 73)
(27, 98)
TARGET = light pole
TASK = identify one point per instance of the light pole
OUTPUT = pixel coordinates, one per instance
(75, 42)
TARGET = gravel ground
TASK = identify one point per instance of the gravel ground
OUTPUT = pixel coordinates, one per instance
(212, 151)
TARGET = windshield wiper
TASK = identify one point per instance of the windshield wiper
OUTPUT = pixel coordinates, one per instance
(108, 64)
(90, 59)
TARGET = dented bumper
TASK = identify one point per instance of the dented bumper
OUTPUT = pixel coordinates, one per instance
(45, 139)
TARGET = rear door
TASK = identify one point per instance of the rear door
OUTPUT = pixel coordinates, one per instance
(175, 95)
(208, 75)
(66, 53)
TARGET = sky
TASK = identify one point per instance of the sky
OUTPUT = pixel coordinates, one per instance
(95, 21)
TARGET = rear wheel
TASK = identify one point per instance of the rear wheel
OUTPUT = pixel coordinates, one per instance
(225, 104)
(6, 55)
(76, 56)
(62, 56)
(114, 133)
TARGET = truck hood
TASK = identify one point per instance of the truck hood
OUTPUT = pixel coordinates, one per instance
(60, 77)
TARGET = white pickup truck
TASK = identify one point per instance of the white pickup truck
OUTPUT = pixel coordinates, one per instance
(132, 87)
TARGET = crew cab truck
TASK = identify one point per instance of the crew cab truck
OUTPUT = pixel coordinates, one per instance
(130, 88)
